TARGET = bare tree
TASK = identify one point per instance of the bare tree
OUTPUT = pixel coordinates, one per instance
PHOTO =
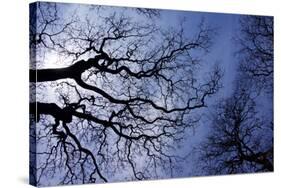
(240, 138)
(45, 25)
(256, 50)
(120, 100)
(240, 141)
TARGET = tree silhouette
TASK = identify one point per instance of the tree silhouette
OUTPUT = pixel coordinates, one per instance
(256, 50)
(120, 97)
(240, 140)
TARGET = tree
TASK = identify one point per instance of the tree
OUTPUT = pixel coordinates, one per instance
(120, 97)
(256, 50)
(240, 141)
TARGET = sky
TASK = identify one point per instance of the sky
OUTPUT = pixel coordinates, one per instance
(221, 53)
